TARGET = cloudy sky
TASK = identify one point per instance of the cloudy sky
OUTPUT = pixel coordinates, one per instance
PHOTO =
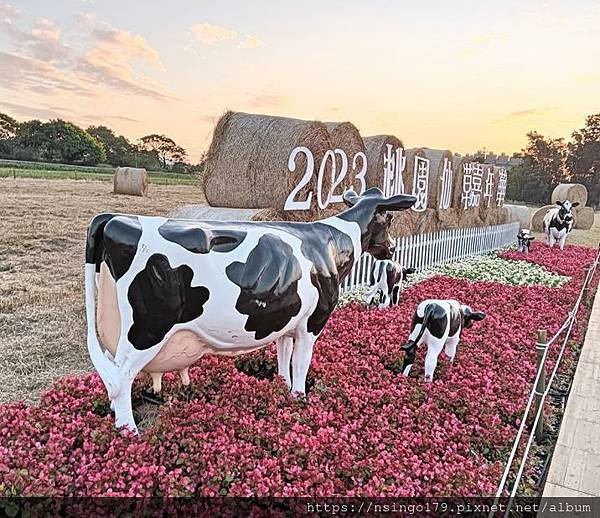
(459, 74)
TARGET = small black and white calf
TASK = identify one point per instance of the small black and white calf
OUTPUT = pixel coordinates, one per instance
(524, 239)
(172, 290)
(437, 324)
(386, 280)
(558, 222)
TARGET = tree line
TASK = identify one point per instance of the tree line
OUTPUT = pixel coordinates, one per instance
(550, 161)
(64, 142)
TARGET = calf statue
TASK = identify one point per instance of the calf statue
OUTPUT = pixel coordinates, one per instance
(558, 223)
(170, 291)
(437, 324)
(386, 280)
(524, 240)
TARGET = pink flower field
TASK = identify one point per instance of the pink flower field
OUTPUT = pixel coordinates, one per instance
(364, 430)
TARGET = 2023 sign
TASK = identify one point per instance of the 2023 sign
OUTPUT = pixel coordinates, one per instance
(336, 179)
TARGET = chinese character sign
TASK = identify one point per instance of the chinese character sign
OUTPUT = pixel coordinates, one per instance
(394, 163)
(447, 178)
(500, 195)
(489, 187)
(420, 183)
(471, 187)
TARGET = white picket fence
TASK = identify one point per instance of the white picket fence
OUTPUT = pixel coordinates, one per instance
(423, 251)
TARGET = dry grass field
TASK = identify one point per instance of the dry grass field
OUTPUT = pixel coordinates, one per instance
(42, 237)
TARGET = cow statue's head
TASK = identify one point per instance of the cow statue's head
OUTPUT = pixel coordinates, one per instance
(470, 316)
(565, 212)
(372, 211)
(406, 272)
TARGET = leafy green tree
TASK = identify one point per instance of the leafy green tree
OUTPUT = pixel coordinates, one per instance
(8, 130)
(584, 158)
(119, 151)
(165, 148)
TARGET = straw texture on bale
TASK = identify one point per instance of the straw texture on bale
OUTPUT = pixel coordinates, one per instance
(570, 191)
(449, 218)
(458, 174)
(425, 222)
(247, 162)
(436, 169)
(537, 218)
(376, 150)
(519, 214)
(130, 180)
(403, 224)
(488, 203)
(203, 212)
(583, 218)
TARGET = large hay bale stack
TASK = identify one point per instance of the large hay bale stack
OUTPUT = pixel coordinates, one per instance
(376, 148)
(583, 218)
(518, 213)
(466, 217)
(203, 212)
(537, 218)
(130, 180)
(570, 191)
(403, 224)
(409, 177)
(247, 162)
(487, 203)
(436, 159)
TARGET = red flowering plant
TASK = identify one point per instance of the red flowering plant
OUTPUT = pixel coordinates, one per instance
(363, 430)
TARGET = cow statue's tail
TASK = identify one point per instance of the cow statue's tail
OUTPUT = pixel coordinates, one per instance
(93, 256)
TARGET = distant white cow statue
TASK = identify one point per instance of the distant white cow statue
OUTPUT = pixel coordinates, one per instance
(558, 223)
(437, 324)
(172, 290)
(386, 280)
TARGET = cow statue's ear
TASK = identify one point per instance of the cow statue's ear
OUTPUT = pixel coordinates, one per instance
(559, 203)
(398, 202)
(350, 198)
(477, 315)
(531, 238)
(575, 204)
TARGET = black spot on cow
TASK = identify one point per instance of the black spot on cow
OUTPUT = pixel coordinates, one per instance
(201, 238)
(269, 286)
(456, 320)
(160, 297)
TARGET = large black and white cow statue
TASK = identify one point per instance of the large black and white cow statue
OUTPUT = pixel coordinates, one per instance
(386, 280)
(170, 291)
(438, 325)
(524, 239)
(558, 222)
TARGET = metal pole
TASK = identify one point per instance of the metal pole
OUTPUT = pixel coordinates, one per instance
(584, 297)
(541, 384)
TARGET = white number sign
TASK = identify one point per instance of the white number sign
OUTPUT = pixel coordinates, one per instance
(420, 183)
(336, 180)
(446, 194)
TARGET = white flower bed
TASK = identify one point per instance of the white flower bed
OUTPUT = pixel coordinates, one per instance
(487, 267)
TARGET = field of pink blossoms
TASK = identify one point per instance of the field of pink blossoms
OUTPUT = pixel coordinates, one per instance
(364, 430)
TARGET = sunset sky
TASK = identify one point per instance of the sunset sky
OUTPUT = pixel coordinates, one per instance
(460, 75)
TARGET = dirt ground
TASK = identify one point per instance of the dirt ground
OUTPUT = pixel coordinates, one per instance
(42, 239)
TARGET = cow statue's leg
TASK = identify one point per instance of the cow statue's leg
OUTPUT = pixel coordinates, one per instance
(184, 375)
(385, 300)
(562, 239)
(156, 381)
(303, 349)
(285, 345)
(450, 346)
(434, 348)
(551, 239)
(371, 294)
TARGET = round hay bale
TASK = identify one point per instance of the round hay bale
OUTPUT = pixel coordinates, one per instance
(458, 163)
(537, 218)
(425, 222)
(436, 158)
(518, 213)
(247, 162)
(487, 203)
(376, 149)
(130, 180)
(584, 218)
(449, 218)
(403, 224)
(570, 191)
(500, 216)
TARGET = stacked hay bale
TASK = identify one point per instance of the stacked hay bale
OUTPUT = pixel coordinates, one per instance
(519, 214)
(446, 217)
(465, 217)
(537, 218)
(423, 221)
(130, 180)
(487, 204)
(575, 192)
(247, 164)
(376, 148)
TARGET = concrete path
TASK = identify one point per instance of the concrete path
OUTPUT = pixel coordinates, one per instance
(575, 466)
